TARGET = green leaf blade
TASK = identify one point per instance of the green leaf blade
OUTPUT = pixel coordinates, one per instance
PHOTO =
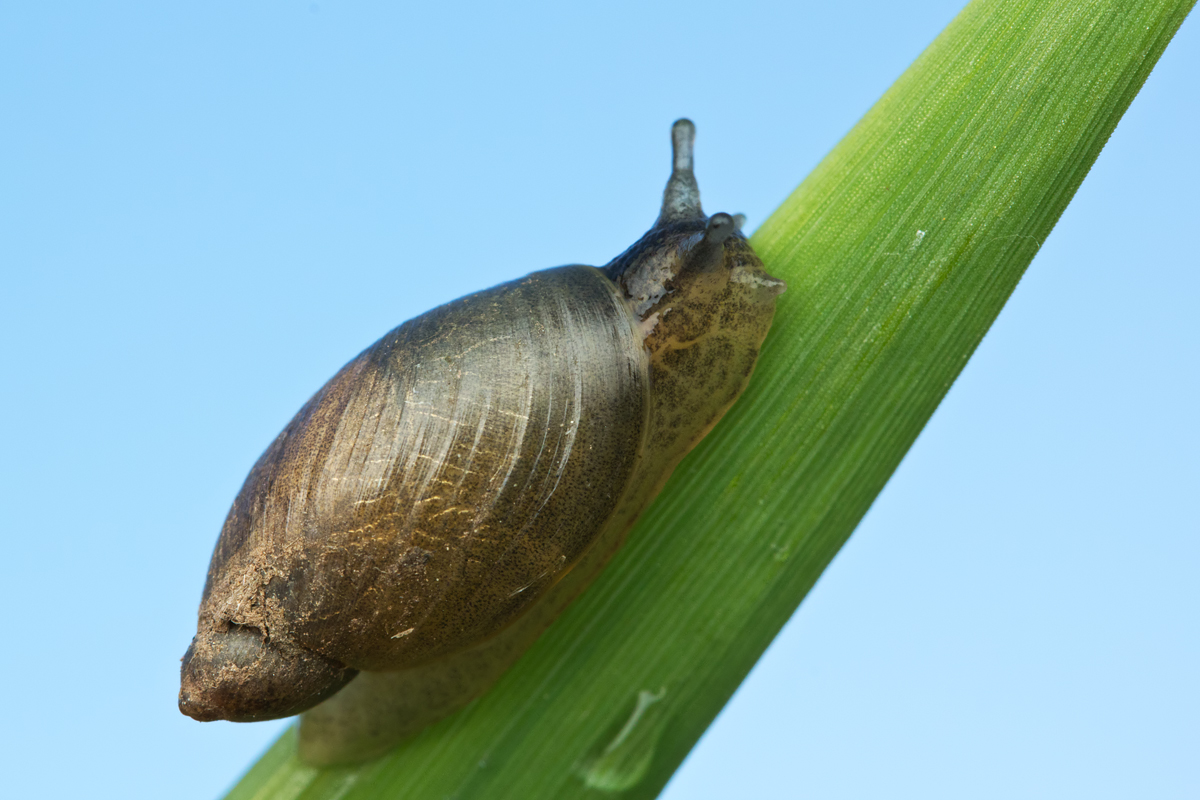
(900, 249)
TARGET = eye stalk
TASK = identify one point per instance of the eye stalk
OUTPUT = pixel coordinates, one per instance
(681, 199)
(681, 224)
(720, 227)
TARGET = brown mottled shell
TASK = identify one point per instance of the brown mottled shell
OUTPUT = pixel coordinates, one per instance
(443, 478)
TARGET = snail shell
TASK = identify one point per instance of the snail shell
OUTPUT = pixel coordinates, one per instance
(445, 482)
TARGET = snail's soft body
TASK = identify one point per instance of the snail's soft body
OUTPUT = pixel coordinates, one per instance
(436, 504)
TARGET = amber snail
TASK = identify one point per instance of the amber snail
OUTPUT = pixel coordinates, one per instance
(431, 510)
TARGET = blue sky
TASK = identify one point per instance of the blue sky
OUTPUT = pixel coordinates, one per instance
(207, 208)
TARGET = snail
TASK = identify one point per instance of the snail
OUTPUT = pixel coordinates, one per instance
(429, 512)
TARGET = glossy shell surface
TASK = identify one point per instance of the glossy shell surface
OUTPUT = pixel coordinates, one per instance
(443, 478)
